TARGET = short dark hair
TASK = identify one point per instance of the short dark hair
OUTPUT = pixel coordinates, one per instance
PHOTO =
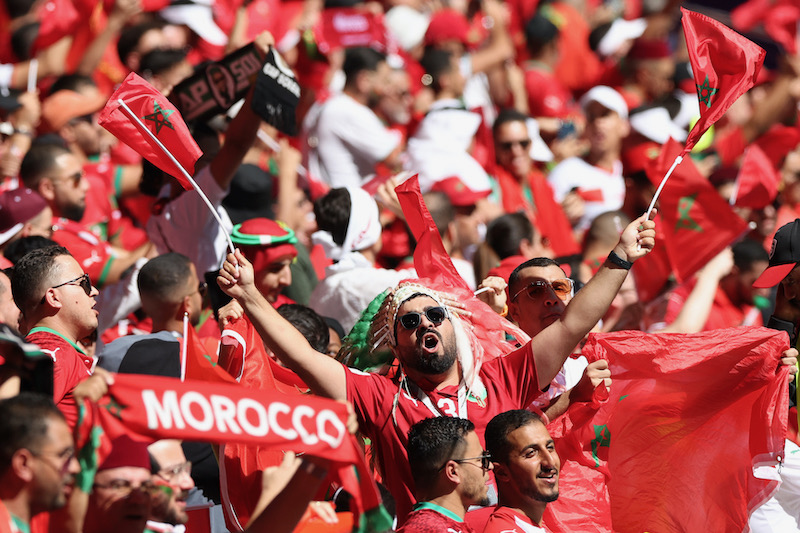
(309, 323)
(163, 276)
(747, 252)
(332, 212)
(507, 115)
(500, 426)
(33, 275)
(539, 262)
(359, 59)
(441, 209)
(129, 37)
(17, 249)
(539, 32)
(23, 424)
(432, 442)
(505, 233)
(72, 82)
(39, 161)
(436, 62)
(160, 60)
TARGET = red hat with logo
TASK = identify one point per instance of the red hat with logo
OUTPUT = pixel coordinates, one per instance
(459, 194)
(447, 25)
(17, 207)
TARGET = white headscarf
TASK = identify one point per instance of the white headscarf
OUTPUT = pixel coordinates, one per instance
(363, 229)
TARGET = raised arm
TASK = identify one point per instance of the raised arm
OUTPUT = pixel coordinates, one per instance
(552, 346)
(324, 375)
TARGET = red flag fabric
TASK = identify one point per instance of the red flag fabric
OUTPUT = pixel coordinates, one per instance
(697, 222)
(687, 419)
(229, 413)
(157, 115)
(652, 271)
(757, 181)
(345, 27)
(200, 364)
(725, 65)
(779, 17)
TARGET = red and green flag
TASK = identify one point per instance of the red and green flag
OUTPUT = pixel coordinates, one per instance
(696, 221)
(757, 181)
(725, 66)
(155, 115)
(779, 17)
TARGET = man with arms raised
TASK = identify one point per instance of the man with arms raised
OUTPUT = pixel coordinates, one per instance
(526, 468)
(439, 375)
(450, 471)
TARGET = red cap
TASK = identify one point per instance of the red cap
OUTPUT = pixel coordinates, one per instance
(263, 241)
(644, 49)
(18, 207)
(126, 452)
(783, 257)
(447, 25)
(459, 194)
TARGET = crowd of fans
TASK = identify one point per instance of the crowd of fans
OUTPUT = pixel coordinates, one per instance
(530, 126)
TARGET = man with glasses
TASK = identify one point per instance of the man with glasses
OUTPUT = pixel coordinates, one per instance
(174, 472)
(123, 491)
(37, 460)
(526, 470)
(450, 471)
(57, 302)
(438, 375)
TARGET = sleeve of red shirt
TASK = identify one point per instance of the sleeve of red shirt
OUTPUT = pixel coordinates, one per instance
(514, 375)
(368, 393)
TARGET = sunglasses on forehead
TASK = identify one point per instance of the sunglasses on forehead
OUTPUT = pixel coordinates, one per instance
(83, 282)
(412, 320)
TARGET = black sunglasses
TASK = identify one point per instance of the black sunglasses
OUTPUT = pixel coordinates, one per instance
(83, 282)
(525, 143)
(485, 457)
(412, 320)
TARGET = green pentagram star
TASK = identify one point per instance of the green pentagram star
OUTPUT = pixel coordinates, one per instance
(115, 408)
(602, 438)
(705, 92)
(685, 221)
(160, 117)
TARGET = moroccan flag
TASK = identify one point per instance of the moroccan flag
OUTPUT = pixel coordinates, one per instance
(725, 65)
(687, 419)
(158, 116)
(757, 181)
(697, 222)
(652, 271)
(199, 363)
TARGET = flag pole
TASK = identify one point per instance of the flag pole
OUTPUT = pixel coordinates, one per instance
(675, 163)
(183, 345)
(128, 111)
(33, 74)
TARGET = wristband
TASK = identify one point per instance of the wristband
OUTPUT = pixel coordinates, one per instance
(26, 132)
(617, 260)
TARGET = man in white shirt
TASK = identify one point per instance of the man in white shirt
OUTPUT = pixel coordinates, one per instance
(344, 137)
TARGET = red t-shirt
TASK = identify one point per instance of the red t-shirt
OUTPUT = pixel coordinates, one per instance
(547, 97)
(94, 255)
(510, 384)
(71, 365)
(430, 521)
(507, 520)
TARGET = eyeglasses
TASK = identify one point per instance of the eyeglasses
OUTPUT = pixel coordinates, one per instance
(508, 145)
(65, 457)
(485, 459)
(173, 472)
(412, 320)
(74, 178)
(124, 488)
(538, 289)
(83, 282)
(202, 289)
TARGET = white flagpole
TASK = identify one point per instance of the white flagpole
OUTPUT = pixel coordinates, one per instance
(128, 111)
(33, 73)
(275, 147)
(661, 185)
(183, 345)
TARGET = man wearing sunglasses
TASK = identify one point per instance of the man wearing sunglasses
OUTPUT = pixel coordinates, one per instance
(450, 471)
(435, 371)
(173, 473)
(57, 301)
(37, 460)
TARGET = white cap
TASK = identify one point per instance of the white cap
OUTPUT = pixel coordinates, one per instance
(199, 19)
(539, 150)
(608, 98)
(407, 26)
(621, 30)
(657, 125)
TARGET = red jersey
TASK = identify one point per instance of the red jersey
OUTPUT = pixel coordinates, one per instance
(507, 520)
(71, 365)
(510, 383)
(547, 97)
(94, 255)
(430, 518)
